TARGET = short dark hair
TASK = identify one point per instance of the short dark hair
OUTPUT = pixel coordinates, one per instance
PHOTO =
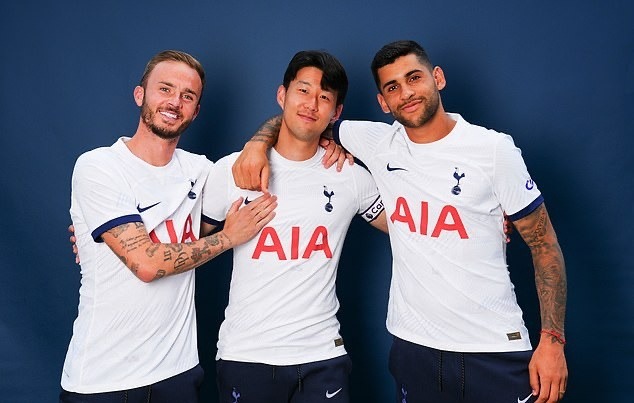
(392, 51)
(173, 56)
(333, 78)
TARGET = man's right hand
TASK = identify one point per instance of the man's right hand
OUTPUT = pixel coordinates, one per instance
(242, 224)
(251, 169)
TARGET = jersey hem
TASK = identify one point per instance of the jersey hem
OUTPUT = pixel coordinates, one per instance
(511, 346)
(114, 387)
(287, 361)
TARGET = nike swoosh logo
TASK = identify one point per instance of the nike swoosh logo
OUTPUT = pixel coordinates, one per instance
(524, 400)
(331, 395)
(142, 209)
(247, 201)
(389, 168)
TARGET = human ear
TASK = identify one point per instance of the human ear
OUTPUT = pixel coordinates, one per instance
(139, 93)
(439, 78)
(382, 103)
(281, 96)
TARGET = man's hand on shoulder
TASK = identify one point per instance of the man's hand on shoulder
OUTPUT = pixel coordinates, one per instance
(251, 169)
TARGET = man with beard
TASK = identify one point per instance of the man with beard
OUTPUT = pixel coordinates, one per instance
(458, 331)
(136, 207)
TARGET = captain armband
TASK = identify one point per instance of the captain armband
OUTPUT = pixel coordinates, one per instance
(372, 212)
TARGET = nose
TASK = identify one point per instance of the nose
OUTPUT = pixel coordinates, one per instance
(175, 100)
(312, 104)
(407, 92)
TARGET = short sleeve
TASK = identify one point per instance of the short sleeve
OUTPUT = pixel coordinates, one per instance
(216, 191)
(103, 195)
(515, 189)
(361, 138)
(370, 203)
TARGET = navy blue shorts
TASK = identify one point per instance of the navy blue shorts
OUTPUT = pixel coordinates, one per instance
(427, 375)
(320, 381)
(181, 388)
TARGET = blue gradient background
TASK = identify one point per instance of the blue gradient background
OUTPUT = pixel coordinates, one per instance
(558, 76)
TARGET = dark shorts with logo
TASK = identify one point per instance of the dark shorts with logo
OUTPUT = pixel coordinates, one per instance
(320, 381)
(182, 388)
(427, 375)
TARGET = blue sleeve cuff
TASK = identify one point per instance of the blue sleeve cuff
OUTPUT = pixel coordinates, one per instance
(96, 234)
(528, 209)
(211, 221)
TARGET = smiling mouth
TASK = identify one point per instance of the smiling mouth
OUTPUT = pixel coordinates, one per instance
(307, 117)
(411, 105)
(170, 115)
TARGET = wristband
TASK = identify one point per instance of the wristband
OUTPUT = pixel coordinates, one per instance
(556, 335)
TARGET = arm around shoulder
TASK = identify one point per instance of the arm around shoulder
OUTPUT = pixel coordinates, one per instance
(151, 261)
(251, 169)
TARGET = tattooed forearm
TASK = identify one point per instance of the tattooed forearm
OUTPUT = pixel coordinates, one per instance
(167, 255)
(131, 244)
(269, 131)
(134, 268)
(150, 261)
(199, 254)
(151, 250)
(550, 271)
(118, 230)
(181, 262)
(176, 247)
(219, 239)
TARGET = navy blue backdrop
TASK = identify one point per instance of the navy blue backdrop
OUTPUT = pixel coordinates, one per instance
(557, 75)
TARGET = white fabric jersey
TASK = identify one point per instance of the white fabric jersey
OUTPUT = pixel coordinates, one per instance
(282, 300)
(129, 333)
(444, 201)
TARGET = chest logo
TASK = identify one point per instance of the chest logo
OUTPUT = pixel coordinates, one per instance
(390, 169)
(328, 207)
(191, 193)
(142, 209)
(456, 189)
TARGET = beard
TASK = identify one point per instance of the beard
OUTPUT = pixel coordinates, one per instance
(163, 132)
(430, 107)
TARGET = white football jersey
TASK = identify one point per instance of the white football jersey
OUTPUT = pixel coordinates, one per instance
(282, 300)
(445, 201)
(129, 333)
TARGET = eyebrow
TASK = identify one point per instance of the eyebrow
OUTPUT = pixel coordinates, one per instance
(408, 74)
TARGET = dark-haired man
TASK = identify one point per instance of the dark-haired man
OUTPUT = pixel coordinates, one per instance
(458, 332)
(280, 339)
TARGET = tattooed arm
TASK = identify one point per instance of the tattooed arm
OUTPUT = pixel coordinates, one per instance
(251, 169)
(151, 261)
(548, 369)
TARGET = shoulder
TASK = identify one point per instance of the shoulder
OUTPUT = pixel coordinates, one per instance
(228, 160)
(193, 158)
(359, 126)
(483, 136)
(97, 156)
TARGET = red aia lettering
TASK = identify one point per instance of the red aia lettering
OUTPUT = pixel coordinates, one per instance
(187, 235)
(269, 241)
(448, 219)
